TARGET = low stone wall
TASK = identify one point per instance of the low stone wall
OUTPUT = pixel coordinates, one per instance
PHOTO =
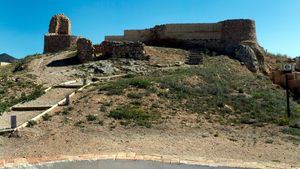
(56, 43)
(278, 77)
(134, 50)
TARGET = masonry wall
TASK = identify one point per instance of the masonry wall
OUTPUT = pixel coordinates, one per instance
(56, 43)
(208, 35)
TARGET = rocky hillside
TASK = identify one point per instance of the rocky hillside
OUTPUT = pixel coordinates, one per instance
(7, 58)
(220, 108)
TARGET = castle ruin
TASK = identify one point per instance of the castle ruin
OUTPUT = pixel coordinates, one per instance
(59, 35)
(236, 38)
(223, 37)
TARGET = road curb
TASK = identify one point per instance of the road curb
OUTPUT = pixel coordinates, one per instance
(169, 159)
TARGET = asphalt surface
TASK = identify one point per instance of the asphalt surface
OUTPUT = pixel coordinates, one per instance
(116, 164)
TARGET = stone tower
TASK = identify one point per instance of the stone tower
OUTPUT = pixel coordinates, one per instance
(60, 24)
(59, 35)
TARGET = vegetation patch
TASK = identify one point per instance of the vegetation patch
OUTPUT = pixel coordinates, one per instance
(132, 113)
(231, 94)
(91, 117)
(31, 123)
(117, 87)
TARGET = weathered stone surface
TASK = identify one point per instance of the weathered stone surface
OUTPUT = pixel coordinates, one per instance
(85, 50)
(245, 54)
(134, 50)
(60, 24)
(56, 43)
(59, 37)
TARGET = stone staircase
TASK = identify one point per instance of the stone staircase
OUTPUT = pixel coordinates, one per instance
(54, 96)
(29, 110)
(194, 58)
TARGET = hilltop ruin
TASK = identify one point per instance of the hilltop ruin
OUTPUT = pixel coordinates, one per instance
(59, 35)
(236, 38)
(223, 37)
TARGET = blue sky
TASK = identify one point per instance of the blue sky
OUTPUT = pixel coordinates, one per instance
(24, 22)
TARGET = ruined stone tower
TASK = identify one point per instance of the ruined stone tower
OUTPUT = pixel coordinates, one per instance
(59, 35)
(60, 24)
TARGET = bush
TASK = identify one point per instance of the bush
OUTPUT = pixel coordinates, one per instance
(46, 117)
(140, 83)
(138, 115)
(31, 123)
(91, 117)
(135, 95)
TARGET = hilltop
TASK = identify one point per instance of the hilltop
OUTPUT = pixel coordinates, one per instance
(4, 57)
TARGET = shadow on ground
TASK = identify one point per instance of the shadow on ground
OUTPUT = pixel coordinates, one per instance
(64, 62)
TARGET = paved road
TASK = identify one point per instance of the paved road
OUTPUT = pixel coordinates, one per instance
(117, 164)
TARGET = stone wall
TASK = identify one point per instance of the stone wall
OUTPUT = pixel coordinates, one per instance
(236, 31)
(208, 35)
(134, 50)
(56, 43)
(224, 37)
(85, 50)
(278, 77)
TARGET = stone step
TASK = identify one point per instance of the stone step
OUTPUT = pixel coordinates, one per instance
(30, 108)
(194, 58)
(72, 86)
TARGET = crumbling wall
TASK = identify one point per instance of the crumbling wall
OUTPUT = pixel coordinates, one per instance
(60, 24)
(85, 50)
(134, 50)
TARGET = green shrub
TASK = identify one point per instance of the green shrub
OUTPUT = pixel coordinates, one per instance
(135, 95)
(79, 124)
(31, 123)
(91, 117)
(140, 83)
(134, 113)
(46, 117)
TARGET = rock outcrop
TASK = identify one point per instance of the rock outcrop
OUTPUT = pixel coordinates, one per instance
(246, 55)
(85, 50)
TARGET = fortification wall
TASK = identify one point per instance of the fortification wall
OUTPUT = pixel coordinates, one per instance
(225, 32)
(190, 31)
(237, 31)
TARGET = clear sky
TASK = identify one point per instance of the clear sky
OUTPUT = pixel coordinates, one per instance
(24, 22)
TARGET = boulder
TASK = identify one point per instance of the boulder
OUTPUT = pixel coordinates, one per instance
(85, 50)
(60, 24)
(246, 55)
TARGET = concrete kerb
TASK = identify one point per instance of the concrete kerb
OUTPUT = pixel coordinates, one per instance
(169, 159)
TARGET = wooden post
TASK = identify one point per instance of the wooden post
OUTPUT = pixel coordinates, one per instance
(13, 121)
(67, 100)
(287, 96)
